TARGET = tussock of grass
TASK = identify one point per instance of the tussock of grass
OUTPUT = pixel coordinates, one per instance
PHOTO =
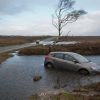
(37, 50)
(37, 78)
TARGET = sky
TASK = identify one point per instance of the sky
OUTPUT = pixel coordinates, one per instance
(33, 17)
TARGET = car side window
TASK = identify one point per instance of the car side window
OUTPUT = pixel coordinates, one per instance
(59, 55)
(69, 58)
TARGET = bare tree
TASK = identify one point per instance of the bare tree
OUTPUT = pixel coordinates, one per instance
(65, 14)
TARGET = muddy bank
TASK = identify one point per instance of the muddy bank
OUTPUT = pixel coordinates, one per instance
(4, 56)
(90, 92)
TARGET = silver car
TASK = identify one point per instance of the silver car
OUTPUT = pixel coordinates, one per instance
(71, 61)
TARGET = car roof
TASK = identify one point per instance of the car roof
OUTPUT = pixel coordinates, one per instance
(70, 53)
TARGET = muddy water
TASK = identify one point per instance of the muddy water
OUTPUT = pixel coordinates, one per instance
(16, 77)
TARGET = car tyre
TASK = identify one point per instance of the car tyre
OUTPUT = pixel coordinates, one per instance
(83, 72)
(49, 65)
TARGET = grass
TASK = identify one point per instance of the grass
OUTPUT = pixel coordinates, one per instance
(65, 96)
(80, 38)
(82, 94)
(93, 87)
(37, 50)
(16, 40)
(59, 96)
(85, 48)
(4, 56)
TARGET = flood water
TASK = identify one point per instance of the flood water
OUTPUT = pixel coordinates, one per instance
(16, 77)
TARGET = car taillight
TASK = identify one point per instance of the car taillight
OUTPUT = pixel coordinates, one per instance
(46, 57)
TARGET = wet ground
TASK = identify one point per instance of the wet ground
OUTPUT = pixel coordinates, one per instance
(16, 77)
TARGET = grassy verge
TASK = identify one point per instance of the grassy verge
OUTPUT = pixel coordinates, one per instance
(4, 56)
(93, 87)
(37, 50)
(91, 92)
(85, 48)
(63, 96)
(59, 96)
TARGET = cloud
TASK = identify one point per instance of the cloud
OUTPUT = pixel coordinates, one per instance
(86, 25)
(30, 25)
(17, 6)
(11, 6)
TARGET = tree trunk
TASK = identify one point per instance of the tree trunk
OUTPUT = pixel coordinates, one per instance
(59, 30)
(59, 33)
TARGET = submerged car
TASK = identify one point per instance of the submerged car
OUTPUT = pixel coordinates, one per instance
(71, 61)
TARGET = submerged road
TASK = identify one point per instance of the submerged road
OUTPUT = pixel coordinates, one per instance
(15, 47)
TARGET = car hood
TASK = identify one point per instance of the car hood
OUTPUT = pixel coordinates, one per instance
(92, 65)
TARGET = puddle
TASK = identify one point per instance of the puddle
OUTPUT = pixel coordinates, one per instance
(16, 77)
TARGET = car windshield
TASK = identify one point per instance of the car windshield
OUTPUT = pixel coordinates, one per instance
(80, 58)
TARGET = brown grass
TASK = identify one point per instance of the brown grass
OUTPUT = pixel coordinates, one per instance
(59, 96)
(64, 96)
(85, 48)
(94, 87)
(80, 38)
(4, 56)
(37, 50)
(15, 40)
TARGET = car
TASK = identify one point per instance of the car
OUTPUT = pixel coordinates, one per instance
(37, 42)
(49, 43)
(71, 61)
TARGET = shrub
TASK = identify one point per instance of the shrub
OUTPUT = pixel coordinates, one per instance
(34, 51)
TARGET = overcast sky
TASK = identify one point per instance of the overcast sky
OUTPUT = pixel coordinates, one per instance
(33, 17)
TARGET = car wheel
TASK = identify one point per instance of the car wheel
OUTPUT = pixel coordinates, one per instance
(49, 65)
(83, 72)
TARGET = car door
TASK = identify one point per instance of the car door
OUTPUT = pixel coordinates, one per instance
(58, 60)
(70, 63)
